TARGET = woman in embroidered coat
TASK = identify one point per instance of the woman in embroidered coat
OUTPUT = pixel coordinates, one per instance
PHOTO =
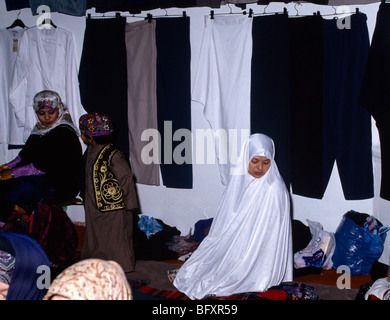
(109, 195)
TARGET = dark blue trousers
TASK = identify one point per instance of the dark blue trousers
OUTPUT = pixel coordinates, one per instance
(374, 95)
(174, 95)
(346, 124)
(270, 86)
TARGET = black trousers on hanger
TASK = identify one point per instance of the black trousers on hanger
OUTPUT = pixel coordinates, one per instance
(270, 86)
(374, 95)
(174, 97)
(306, 82)
(346, 124)
(103, 74)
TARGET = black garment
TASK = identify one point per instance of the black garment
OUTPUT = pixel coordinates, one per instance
(103, 74)
(58, 153)
(174, 96)
(17, 4)
(374, 94)
(306, 65)
(346, 124)
(155, 247)
(270, 86)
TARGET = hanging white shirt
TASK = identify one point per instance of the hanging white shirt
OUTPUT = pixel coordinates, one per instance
(45, 61)
(222, 84)
(9, 45)
(249, 245)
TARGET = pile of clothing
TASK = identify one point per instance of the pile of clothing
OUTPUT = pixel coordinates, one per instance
(357, 243)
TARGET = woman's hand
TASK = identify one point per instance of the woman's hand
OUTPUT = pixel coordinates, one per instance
(3, 167)
(6, 174)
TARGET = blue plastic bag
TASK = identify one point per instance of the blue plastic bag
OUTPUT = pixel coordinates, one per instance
(358, 246)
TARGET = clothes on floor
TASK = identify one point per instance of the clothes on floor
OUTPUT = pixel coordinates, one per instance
(251, 227)
(154, 247)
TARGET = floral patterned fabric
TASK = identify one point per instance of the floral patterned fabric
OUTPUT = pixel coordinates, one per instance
(91, 279)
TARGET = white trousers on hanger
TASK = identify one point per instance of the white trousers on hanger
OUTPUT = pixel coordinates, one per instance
(222, 84)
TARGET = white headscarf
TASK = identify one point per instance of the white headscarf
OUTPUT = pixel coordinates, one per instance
(249, 246)
(51, 99)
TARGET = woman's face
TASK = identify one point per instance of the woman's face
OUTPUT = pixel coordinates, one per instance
(258, 166)
(3, 290)
(48, 116)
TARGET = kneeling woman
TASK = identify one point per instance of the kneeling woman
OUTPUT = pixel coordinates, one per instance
(49, 165)
(248, 248)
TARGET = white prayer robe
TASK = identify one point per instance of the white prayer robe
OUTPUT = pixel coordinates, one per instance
(222, 84)
(9, 44)
(249, 246)
(46, 61)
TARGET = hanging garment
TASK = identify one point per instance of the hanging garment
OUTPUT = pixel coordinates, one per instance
(103, 74)
(46, 60)
(249, 247)
(346, 124)
(374, 95)
(73, 7)
(9, 46)
(306, 85)
(222, 84)
(17, 4)
(141, 96)
(270, 86)
(174, 100)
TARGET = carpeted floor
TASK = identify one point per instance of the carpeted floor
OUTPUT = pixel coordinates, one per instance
(153, 274)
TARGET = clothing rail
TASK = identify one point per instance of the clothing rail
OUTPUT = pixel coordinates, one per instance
(148, 16)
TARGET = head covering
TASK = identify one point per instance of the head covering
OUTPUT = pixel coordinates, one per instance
(7, 267)
(248, 248)
(29, 258)
(48, 99)
(96, 124)
(91, 279)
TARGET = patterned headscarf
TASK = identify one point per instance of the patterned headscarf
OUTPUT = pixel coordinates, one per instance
(95, 124)
(48, 99)
(91, 279)
(7, 267)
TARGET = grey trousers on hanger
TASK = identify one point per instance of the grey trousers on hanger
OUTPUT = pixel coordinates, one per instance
(141, 96)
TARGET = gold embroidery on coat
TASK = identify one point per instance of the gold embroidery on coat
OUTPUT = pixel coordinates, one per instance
(108, 193)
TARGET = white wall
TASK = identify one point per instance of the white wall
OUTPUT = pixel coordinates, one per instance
(183, 208)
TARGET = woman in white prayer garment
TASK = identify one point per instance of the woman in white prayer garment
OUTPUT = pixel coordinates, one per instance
(249, 245)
